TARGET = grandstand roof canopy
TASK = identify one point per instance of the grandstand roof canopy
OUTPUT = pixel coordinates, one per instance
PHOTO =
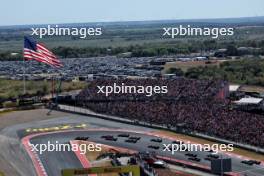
(249, 100)
(233, 88)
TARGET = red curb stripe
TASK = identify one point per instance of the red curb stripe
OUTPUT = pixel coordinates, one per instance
(82, 158)
(34, 157)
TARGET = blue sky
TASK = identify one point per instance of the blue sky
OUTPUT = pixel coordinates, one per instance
(16, 12)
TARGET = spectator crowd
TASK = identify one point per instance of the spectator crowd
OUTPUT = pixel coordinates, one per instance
(179, 88)
(193, 104)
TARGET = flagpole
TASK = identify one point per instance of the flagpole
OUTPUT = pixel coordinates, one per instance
(44, 55)
(24, 79)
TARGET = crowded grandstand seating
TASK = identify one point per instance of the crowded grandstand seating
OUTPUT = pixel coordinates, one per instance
(193, 103)
(177, 89)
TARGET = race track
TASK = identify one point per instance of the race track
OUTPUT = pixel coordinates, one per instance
(14, 153)
(53, 162)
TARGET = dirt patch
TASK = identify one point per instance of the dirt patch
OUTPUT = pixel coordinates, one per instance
(92, 156)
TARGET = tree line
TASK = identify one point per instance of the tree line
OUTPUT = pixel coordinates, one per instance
(149, 49)
(244, 71)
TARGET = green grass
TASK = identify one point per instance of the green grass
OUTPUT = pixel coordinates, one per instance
(14, 88)
(190, 64)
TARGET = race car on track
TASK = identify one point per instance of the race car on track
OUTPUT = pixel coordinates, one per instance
(159, 140)
(82, 138)
(136, 138)
(123, 135)
(213, 156)
(131, 140)
(251, 162)
(177, 142)
(191, 155)
(194, 159)
(153, 147)
(109, 138)
(247, 162)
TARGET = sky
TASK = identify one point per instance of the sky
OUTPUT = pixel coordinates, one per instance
(21, 12)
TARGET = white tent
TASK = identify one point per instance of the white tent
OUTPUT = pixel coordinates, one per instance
(249, 100)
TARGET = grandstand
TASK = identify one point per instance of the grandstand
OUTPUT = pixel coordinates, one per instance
(197, 105)
(178, 89)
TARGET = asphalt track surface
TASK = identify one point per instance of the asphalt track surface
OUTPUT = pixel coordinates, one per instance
(14, 153)
(53, 162)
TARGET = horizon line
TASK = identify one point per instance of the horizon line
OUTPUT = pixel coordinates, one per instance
(129, 21)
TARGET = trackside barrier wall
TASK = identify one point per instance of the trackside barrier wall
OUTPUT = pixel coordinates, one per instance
(134, 169)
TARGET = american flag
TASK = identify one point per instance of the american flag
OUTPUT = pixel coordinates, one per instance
(38, 52)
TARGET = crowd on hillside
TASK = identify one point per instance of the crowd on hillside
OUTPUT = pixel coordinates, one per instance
(204, 114)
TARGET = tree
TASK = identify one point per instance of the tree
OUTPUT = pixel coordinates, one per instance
(176, 71)
(231, 50)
